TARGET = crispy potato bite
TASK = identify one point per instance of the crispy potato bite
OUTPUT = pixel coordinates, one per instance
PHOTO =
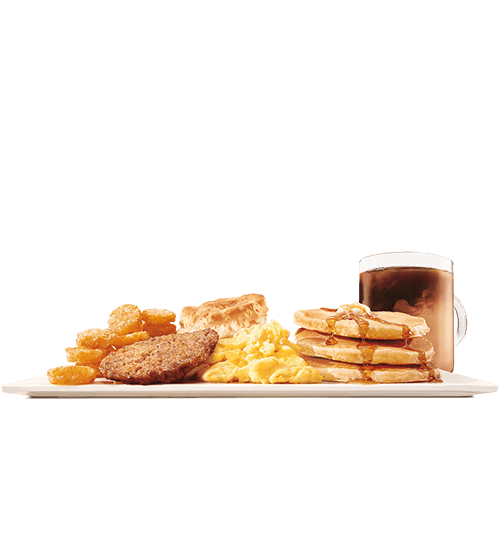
(160, 329)
(95, 338)
(127, 325)
(71, 375)
(122, 341)
(158, 316)
(125, 319)
(97, 368)
(83, 356)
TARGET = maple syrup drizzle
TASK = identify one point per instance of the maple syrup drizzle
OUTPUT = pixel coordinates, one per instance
(330, 340)
(368, 349)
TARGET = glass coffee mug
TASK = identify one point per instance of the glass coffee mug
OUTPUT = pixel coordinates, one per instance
(419, 284)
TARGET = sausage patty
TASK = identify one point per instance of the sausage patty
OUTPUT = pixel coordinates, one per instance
(162, 359)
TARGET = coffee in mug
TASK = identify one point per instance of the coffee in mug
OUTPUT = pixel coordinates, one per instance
(419, 284)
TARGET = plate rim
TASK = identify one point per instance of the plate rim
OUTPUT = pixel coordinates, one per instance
(453, 384)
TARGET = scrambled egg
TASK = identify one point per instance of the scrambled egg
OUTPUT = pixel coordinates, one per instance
(259, 354)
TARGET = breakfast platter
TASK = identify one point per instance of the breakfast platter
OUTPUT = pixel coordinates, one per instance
(452, 385)
(227, 348)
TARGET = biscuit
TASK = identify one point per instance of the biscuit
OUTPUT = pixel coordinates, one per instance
(226, 315)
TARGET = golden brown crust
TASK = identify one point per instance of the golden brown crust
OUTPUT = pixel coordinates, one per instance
(226, 315)
(125, 319)
(72, 375)
(418, 351)
(316, 319)
(383, 374)
(157, 316)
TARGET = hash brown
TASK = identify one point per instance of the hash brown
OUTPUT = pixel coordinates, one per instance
(160, 360)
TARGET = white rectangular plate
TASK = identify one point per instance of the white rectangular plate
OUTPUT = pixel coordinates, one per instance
(453, 385)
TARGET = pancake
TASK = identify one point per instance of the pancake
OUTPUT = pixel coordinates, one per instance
(360, 322)
(361, 373)
(418, 350)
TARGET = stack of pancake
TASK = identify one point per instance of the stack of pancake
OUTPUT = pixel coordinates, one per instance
(354, 344)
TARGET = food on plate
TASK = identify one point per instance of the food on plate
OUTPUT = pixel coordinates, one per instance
(354, 344)
(72, 375)
(95, 338)
(358, 321)
(162, 359)
(347, 344)
(160, 329)
(127, 339)
(127, 325)
(125, 319)
(96, 367)
(159, 322)
(226, 315)
(399, 351)
(158, 316)
(83, 355)
(260, 354)
(344, 372)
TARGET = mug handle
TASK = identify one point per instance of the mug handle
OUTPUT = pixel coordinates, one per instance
(461, 320)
